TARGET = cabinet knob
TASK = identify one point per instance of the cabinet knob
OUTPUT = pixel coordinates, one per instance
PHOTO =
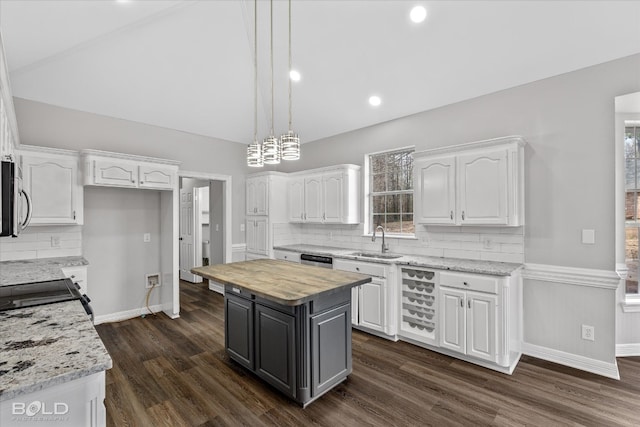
(141, 182)
(465, 283)
(133, 180)
(358, 268)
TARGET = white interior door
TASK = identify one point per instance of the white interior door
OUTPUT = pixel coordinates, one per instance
(187, 236)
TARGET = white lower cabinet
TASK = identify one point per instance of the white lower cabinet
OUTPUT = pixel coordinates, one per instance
(78, 402)
(468, 323)
(480, 316)
(372, 304)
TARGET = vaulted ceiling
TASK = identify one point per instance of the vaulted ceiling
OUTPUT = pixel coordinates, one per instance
(188, 65)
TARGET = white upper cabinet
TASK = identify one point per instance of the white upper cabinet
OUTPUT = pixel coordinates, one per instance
(8, 124)
(258, 195)
(107, 169)
(480, 183)
(327, 195)
(435, 183)
(50, 177)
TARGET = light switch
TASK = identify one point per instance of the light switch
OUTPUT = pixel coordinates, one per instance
(588, 237)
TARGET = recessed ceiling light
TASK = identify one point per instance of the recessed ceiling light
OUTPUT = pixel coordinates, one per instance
(294, 75)
(418, 14)
(375, 100)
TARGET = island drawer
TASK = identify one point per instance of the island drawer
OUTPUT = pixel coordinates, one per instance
(474, 282)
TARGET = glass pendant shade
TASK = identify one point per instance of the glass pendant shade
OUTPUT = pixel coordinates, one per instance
(271, 150)
(290, 146)
(254, 155)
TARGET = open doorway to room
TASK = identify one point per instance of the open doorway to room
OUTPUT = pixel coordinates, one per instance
(205, 223)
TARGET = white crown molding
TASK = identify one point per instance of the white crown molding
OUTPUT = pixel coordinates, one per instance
(46, 150)
(606, 369)
(605, 279)
(476, 145)
(129, 157)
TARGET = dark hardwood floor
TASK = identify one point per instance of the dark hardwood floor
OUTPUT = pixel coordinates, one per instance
(176, 373)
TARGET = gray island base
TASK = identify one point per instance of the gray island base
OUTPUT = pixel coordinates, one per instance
(290, 324)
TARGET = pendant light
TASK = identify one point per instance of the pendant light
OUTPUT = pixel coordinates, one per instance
(254, 150)
(271, 148)
(290, 140)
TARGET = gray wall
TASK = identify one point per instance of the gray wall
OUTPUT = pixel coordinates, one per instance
(51, 126)
(112, 238)
(216, 216)
(568, 122)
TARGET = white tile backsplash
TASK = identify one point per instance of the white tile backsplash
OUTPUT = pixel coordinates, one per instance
(35, 242)
(504, 244)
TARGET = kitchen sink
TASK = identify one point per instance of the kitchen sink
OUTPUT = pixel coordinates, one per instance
(375, 255)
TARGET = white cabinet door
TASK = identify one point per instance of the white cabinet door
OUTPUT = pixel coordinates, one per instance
(355, 296)
(482, 188)
(52, 183)
(452, 320)
(371, 304)
(481, 326)
(258, 195)
(435, 182)
(257, 239)
(296, 200)
(332, 197)
(156, 178)
(313, 199)
(114, 173)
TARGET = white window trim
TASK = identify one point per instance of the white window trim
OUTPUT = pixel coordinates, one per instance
(366, 193)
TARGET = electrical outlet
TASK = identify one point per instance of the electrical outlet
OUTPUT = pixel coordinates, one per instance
(588, 333)
(241, 227)
(55, 241)
(152, 280)
(487, 243)
(146, 237)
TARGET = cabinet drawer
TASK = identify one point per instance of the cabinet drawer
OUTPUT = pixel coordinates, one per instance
(359, 267)
(472, 282)
(287, 256)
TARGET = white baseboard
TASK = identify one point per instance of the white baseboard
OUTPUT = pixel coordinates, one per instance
(606, 369)
(127, 314)
(626, 350)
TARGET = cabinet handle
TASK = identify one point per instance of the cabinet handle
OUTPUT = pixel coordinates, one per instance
(74, 214)
(469, 303)
(462, 303)
(465, 283)
(451, 215)
(463, 215)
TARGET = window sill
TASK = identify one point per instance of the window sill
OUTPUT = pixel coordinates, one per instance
(631, 304)
(392, 236)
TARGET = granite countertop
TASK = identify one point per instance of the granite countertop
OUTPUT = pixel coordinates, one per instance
(282, 282)
(455, 264)
(36, 270)
(47, 345)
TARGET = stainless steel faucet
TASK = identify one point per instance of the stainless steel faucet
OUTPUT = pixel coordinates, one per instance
(385, 247)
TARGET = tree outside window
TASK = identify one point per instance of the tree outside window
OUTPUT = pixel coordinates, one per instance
(391, 191)
(632, 204)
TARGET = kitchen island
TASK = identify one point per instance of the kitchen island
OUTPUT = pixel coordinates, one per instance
(290, 324)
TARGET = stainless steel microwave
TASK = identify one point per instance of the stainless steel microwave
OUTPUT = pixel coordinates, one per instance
(15, 200)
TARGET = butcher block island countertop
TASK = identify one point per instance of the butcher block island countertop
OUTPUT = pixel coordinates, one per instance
(289, 324)
(283, 282)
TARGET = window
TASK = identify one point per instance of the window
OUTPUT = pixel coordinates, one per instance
(632, 204)
(390, 195)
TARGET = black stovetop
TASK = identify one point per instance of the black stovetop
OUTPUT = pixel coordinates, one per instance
(39, 293)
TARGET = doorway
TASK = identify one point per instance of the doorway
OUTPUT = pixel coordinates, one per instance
(205, 223)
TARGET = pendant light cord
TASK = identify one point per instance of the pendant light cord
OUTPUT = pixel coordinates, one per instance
(289, 65)
(255, 70)
(271, 51)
